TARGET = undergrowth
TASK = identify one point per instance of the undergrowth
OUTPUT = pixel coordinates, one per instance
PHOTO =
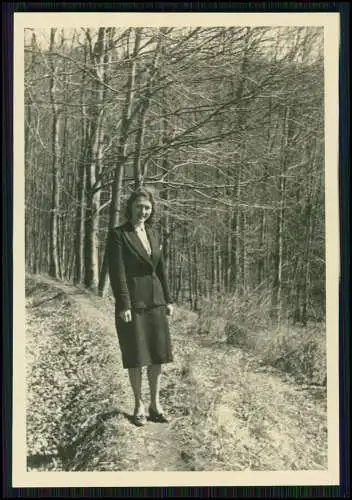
(68, 394)
(246, 322)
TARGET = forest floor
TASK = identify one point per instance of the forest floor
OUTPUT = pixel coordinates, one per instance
(229, 412)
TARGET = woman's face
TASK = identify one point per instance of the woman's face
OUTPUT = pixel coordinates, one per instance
(141, 210)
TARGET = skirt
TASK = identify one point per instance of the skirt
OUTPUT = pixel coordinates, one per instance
(146, 339)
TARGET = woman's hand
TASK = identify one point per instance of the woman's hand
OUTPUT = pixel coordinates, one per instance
(169, 309)
(126, 316)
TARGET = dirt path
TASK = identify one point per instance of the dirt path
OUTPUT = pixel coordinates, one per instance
(151, 447)
(228, 412)
(261, 420)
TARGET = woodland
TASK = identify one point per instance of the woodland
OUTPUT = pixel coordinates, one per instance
(224, 124)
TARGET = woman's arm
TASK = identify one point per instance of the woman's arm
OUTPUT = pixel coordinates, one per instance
(117, 272)
(161, 272)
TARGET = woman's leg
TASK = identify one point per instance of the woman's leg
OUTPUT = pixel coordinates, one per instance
(135, 375)
(154, 376)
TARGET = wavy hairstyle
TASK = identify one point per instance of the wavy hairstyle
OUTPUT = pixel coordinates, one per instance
(141, 192)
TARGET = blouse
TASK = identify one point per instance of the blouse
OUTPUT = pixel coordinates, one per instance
(141, 233)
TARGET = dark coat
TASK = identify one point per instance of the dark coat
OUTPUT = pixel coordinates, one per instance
(137, 280)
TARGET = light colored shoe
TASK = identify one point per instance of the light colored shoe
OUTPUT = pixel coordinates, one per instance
(139, 420)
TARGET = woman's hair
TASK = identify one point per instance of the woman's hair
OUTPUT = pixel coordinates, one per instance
(140, 193)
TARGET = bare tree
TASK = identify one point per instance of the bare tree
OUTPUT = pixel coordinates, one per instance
(55, 162)
(94, 161)
(125, 123)
(221, 122)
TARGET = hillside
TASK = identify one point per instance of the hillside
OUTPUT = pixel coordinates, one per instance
(229, 411)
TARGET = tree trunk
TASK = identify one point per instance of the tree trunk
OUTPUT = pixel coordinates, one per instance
(31, 217)
(91, 276)
(236, 270)
(262, 260)
(236, 234)
(214, 265)
(308, 238)
(55, 165)
(196, 283)
(220, 272)
(190, 275)
(228, 256)
(165, 192)
(139, 174)
(79, 229)
(81, 189)
(66, 173)
(278, 258)
(116, 190)
(242, 259)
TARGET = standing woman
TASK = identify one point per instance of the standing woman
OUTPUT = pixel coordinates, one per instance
(142, 301)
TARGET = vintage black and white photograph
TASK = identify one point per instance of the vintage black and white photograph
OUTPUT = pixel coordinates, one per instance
(175, 246)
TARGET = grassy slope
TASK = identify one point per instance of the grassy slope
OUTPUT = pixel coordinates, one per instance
(228, 411)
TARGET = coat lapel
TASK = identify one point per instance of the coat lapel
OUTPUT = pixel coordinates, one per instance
(136, 243)
(154, 245)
